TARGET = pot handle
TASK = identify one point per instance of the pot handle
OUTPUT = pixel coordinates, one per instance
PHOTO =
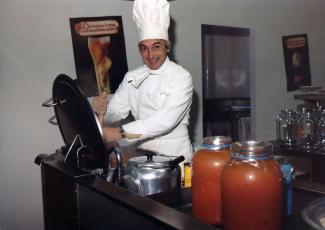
(52, 102)
(176, 161)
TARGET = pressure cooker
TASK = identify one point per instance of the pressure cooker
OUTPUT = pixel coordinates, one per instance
(152, 173)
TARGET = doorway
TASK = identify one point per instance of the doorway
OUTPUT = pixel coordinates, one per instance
(226, 81)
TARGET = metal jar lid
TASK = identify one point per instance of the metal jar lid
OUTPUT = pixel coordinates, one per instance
(252, 149)
(216, 142)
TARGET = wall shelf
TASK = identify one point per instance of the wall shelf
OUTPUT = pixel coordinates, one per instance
(311, 97)
(316, 159)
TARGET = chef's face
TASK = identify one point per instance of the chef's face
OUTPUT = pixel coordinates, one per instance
(153, 52)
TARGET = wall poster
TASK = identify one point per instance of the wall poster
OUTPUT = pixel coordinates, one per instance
(296, 57)
(99, 53)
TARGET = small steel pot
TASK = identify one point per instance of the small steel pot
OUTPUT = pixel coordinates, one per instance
(151, 174)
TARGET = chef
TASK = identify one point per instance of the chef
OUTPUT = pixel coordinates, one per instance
(158, 94)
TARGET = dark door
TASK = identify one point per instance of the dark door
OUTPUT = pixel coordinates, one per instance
(226, 81)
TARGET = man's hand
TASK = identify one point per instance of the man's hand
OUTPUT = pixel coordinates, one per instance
(111, 134)
(99, 106)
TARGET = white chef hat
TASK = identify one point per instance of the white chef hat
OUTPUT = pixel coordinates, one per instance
(152, 19)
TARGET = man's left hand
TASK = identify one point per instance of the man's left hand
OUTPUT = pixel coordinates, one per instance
(111, 134)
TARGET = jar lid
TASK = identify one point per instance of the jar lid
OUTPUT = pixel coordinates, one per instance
(251, 149)
(216, 142)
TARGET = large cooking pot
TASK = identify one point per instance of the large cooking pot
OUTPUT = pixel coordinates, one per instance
(151, 174)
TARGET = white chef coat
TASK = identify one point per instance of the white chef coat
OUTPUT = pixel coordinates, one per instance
(160, 101)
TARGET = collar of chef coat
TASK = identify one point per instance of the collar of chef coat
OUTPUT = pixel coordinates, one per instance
(137, 76)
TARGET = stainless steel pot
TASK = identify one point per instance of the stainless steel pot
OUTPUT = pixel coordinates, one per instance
(151, 174)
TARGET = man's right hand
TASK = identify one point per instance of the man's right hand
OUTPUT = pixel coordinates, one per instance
(99, 104)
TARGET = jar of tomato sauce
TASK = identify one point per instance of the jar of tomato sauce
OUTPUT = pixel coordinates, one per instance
(252, 188)
(207, 165)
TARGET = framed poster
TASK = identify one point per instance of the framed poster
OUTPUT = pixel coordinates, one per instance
(99, 53)
(296, 58)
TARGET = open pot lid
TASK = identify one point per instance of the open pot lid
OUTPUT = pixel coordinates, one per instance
(75, 115)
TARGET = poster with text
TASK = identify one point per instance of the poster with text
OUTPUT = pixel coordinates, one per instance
(296, 58)
(99, 53)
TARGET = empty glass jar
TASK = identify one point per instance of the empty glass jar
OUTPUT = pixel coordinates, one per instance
(308, 126)
(301, 111)
(320, 132)
(279, 121)
(287, 128)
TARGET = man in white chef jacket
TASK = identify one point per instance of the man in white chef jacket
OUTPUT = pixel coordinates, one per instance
(158, 94)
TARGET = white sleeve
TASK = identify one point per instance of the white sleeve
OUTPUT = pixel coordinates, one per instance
(172, 112)
(118, 107)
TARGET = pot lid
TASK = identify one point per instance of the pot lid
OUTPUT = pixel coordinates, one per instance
(154, 161)
(75, 115)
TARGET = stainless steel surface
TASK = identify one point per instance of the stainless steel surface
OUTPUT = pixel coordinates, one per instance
(150, 174)
(118, 165)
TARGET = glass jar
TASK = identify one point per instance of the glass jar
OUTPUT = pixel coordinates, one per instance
(301, 111)
(320, 133)
(279, 121)
(207, 165)
(317, 111)
(252, 190)
(288, 129)
(308, 138)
